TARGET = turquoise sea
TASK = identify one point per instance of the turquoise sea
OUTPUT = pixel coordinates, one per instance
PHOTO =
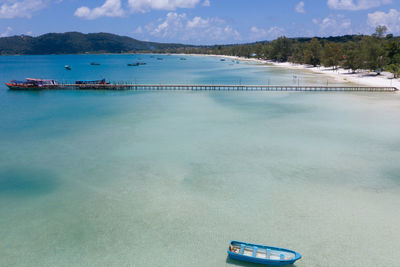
(101, 178)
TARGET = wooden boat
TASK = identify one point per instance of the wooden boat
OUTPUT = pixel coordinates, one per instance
(262, 254)
(31, 84)
(67, 67)
(136, 64)
(103, 81)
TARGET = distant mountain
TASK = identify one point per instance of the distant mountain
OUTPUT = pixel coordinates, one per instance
(76, 42)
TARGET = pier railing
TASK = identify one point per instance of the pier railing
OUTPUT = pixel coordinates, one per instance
(216, 87)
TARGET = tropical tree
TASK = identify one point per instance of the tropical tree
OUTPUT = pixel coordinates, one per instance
(331, 55)
(312, 53)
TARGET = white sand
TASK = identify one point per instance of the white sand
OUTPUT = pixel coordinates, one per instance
(361, 77)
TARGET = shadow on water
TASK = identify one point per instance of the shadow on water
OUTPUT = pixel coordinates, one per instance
(249, 264)
(27, 182)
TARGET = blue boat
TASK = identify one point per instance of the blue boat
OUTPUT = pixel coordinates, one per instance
(262, 254)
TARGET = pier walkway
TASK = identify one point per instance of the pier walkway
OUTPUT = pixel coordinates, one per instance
(217, 87)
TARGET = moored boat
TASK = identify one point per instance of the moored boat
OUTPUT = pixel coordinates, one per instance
(31, 84)
(103, 81)
(94, 63)
(136, 64)
(67, 67)
(262, 254)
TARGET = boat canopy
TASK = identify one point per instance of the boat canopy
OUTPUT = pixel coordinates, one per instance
(41, 81)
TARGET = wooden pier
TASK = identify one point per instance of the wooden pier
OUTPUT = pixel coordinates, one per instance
(217, 87)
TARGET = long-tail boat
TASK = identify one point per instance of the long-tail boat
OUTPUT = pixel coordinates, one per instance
(103, 81)
(31, 84)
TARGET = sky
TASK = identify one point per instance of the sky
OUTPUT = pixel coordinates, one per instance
(200, 21)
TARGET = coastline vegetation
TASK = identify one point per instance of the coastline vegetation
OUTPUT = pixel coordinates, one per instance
(377, 52)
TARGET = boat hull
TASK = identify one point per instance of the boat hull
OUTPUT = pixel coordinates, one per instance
(263, 260)
(16, 87)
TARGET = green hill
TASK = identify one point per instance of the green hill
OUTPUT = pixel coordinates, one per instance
(76, 42)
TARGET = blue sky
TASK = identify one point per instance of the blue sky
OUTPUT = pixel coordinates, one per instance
(200, 21)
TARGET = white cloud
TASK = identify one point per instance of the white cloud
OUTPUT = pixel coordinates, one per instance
(6, 32)
(146, 5)
(356, 4)
(206, 3)
(20, 8)
(334, 25)
(111, 8)
(258, 34)
(300, 7)
(179, 27)
(391, 20)
(138, 30)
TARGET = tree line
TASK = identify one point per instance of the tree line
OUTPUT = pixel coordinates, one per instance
(377, 52)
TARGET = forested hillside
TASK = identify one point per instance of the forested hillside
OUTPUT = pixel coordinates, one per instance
(76, 42)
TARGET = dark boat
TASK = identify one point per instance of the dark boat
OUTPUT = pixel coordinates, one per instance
(67, 67)
(182, 58)
(159, 58)
(31, 84)
(94, 63)
(136, 64)
(103, 81)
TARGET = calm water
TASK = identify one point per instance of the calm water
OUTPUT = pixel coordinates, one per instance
(168, 178)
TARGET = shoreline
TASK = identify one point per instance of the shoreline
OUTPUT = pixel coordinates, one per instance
(361, 77)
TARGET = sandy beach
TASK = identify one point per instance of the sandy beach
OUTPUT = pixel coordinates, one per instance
(361, 77)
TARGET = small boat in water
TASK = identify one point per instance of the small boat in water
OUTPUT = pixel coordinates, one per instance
(136, 64)
(182, 58)
(67, 67)
(262, 254)
(31, 84)
(159, 58)
(94, 63)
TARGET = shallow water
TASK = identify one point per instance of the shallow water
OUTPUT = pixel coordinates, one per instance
(169, 178)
